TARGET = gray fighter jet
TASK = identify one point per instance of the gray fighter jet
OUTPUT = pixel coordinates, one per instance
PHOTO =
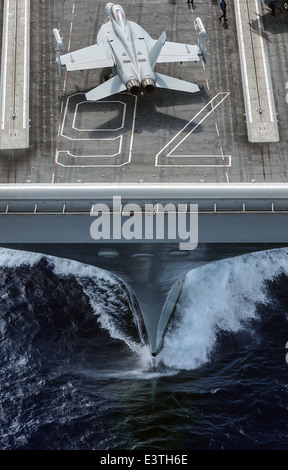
(132, 54)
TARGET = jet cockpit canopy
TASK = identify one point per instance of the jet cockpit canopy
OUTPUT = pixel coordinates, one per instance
(119, 15)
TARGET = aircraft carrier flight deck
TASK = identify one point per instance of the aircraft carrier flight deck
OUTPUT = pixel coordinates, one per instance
(167, 136)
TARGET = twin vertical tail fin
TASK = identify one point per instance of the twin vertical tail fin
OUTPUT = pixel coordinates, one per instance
(156, 49)
(164, 81)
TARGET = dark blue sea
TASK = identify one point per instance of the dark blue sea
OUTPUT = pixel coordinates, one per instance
(75, 373)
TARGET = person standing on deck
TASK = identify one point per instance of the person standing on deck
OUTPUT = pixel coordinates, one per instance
(273, 5)
(223, 8)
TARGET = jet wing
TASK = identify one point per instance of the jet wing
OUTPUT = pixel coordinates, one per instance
(178, 52)
(91, 57)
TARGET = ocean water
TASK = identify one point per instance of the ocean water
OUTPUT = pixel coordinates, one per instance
(75, 373)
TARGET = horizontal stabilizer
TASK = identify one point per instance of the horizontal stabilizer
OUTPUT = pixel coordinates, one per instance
(164, 81)
(112, 86)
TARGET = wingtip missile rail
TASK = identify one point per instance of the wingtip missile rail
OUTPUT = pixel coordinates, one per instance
(59, 43)
(202, 38)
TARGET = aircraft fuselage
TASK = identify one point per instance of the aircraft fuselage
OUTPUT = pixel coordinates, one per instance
(125, 41)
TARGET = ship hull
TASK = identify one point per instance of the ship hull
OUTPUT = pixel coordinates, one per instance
(154, 272)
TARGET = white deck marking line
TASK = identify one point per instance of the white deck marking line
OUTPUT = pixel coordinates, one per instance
(209, 94)
(62, 101)
(94, 156)
(83, 165)
(119, 137)
(133, 128)
(26, 64)
(102, 129)
(201, 165)
(4, 59)
(266, 67)
(195, 127)
(243, 60)
(200, 122)
(106, 139)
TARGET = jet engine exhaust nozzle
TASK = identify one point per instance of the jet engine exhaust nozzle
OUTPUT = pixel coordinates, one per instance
(148, 84)
(133, 86)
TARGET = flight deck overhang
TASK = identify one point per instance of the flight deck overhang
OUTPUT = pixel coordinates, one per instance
(241, 197)
(261, 116)
(15, 76)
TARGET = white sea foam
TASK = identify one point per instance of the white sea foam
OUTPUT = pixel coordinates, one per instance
(81, 271)
(62, 267)
(14, 259)
(222, 296)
